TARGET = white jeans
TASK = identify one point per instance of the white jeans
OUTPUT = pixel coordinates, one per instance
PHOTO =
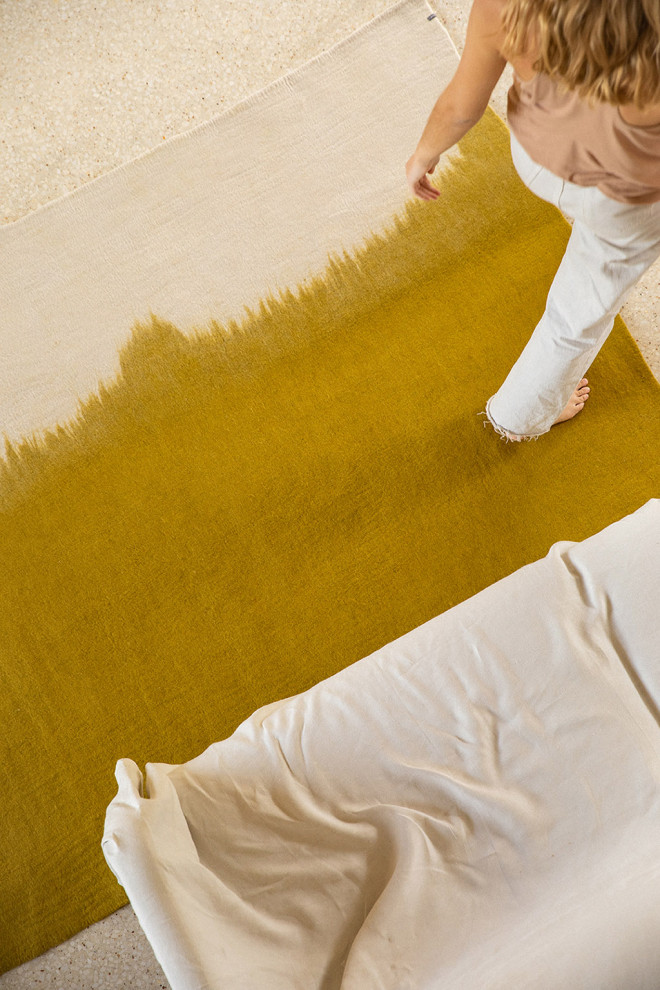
(611, 246)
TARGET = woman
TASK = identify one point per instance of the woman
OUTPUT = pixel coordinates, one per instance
(584, 114)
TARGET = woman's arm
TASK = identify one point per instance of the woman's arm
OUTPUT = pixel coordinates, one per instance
(466, 97)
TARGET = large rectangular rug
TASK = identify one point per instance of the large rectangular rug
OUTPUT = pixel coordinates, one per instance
(206, 508)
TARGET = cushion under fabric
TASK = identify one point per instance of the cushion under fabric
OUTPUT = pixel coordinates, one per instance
(474, 805)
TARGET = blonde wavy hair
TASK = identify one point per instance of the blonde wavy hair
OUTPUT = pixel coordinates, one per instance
(604, 50)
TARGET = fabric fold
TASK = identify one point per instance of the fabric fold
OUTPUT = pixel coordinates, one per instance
(449, 811)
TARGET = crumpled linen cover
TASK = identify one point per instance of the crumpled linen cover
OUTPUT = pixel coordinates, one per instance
(476, 805)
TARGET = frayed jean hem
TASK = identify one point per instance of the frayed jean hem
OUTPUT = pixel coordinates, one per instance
(507, 435)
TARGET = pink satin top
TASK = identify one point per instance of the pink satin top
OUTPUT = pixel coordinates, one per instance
(588, 145)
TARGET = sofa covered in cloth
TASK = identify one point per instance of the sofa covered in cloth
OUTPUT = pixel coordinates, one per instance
(475, 806)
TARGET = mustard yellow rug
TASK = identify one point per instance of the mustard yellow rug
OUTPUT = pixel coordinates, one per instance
(247, 509)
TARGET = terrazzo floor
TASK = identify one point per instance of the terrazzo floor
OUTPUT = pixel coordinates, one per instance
(88, 85)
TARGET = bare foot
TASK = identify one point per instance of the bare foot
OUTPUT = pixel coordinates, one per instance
(575, 403)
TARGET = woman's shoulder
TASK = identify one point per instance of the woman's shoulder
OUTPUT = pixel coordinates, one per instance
(489, 14)
(485, 25)
(490, 10)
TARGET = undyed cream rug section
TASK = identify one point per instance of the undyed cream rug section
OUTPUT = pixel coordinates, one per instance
(247, 502)
(212, 221)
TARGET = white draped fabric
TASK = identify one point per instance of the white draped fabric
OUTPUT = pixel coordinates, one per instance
(474, 806)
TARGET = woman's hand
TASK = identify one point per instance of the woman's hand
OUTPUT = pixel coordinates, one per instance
(417, 172)
(463, 102)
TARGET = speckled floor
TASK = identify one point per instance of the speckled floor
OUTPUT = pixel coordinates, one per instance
(87, 85)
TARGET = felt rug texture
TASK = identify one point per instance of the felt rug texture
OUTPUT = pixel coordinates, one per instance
(247, 508)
